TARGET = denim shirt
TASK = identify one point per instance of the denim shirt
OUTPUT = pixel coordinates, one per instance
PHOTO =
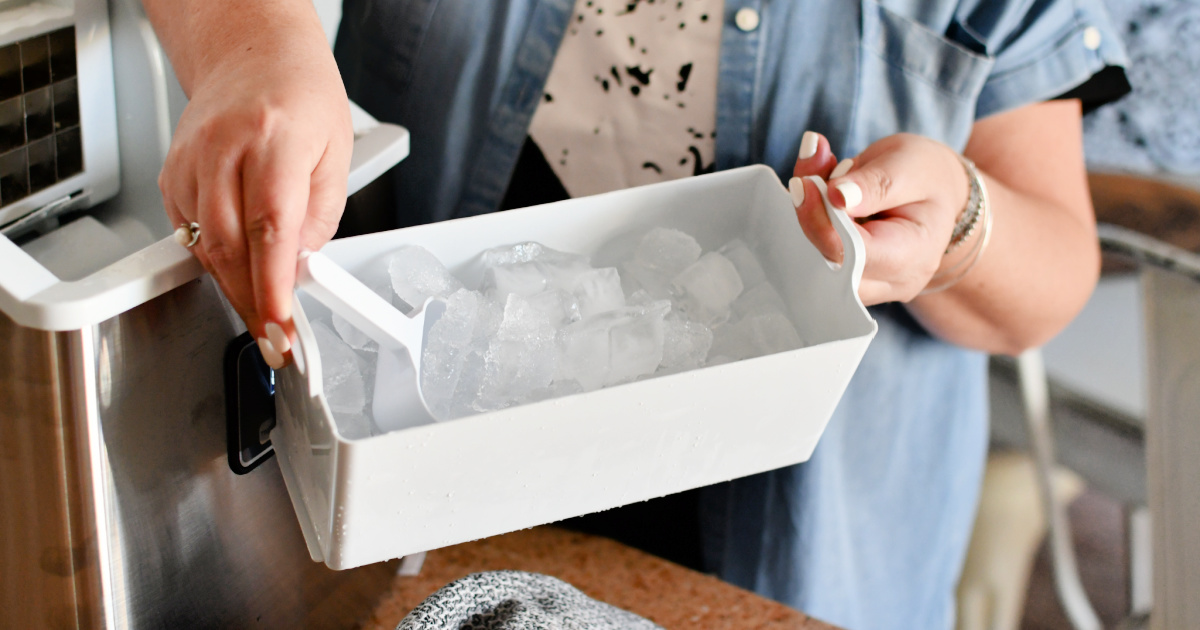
(465, 76)
(871, 532)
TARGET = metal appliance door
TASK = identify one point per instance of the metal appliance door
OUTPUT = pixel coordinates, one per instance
(117, 506)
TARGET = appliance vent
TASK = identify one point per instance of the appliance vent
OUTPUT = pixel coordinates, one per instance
(40, 139)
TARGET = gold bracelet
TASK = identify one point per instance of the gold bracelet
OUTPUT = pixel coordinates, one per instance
(985, 214)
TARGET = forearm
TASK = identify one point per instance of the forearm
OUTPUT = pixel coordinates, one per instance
(203, 37)
(1043, 259)
(1037, 272)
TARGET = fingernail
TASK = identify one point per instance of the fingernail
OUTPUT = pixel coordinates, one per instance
(796, 190)
(270, 354)
(842, 168)
(808, 145)
(851, 193)
(278, 338)
(183, 236)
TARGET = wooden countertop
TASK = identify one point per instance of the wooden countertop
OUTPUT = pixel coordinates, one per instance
(670, 595)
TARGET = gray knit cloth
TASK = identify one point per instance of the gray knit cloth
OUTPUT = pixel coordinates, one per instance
(516, 600)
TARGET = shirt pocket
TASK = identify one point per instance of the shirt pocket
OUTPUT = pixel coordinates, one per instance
(912, 79)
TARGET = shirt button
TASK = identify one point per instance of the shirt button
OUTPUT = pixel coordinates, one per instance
(1091, 37)
(746, 19)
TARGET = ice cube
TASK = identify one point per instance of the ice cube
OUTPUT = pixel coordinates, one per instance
(755, 336)
(599, 291)
(353, 426)
(639, 297)
(470, 380)
(636, 342)
(417, 274)
(521, 358)
(771, 333)
(744, 261)
(561, 307)
(584, 353)
(760, 300)
(638, 277)
(528, 269)
(351, 334)
(685, 344)
(528, 252)
(446, 347)
(612, 347)
(490, 314)
(729, 341)
(707, 288)
(565, 275)
(341, 373)
(667, 251)
(524, 279)
(557, 389)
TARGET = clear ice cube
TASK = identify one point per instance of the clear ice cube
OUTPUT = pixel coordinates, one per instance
(599, 291)
(557, 389)
(745, 262)
(353, 426)
(446, 347)
(583, 355)
(528, 252)
(639, 297)
(763, 299)
(636, 342)
(351, 334)
(524, 279)
(528, 269)
(771, 333)
(560, 307)
(685, 344)
(755, 336)
(638, 277)
(341, 373)
(667, 251)
(466, 395)
(613, 347)
(417, 275)
(521, 358)
(707, 288)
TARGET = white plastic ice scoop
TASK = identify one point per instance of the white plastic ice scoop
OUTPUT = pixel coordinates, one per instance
(399, 335)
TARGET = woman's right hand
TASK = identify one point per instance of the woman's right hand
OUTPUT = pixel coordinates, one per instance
(260, 157)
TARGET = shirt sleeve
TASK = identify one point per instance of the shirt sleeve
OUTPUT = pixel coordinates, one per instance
(1043, 49)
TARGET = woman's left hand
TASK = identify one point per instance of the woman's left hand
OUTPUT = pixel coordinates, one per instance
(905, 193)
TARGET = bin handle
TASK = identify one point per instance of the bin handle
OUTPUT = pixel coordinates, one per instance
(854, 256)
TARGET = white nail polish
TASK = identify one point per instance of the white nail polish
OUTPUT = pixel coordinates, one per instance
(796, 189)
(270, 355)
(183, 236)
(842, 168)
(852, 193)
(278, 338)
(808, 144)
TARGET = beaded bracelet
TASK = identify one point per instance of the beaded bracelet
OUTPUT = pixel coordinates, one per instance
(968, 220)
(978, 209)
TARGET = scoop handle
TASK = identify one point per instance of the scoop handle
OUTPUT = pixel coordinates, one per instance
(347, 296)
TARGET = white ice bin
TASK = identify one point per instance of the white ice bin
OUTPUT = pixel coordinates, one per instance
(426, 487)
